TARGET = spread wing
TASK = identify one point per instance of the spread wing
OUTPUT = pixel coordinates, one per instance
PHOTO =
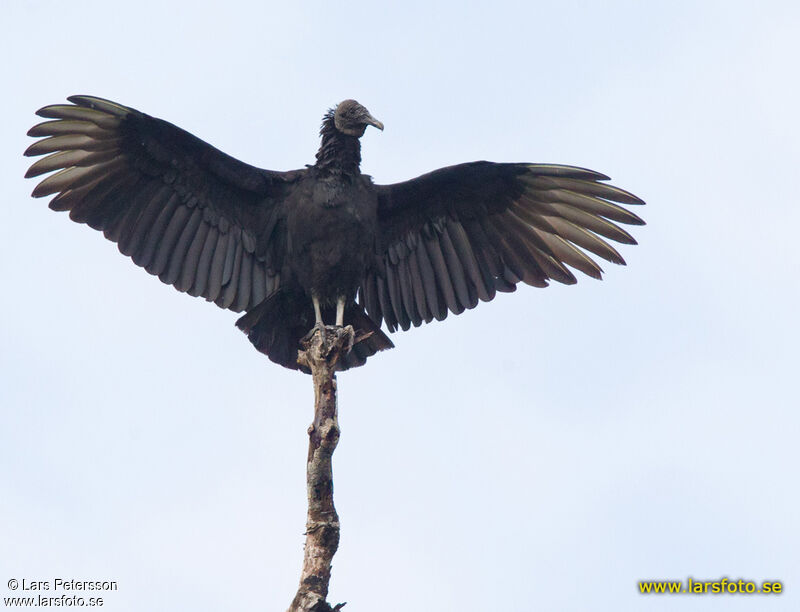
(460, 234)
(195, 217)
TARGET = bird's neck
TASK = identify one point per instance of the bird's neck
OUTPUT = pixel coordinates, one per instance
(338, 152)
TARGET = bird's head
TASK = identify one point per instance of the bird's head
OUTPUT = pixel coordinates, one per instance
(352, 119)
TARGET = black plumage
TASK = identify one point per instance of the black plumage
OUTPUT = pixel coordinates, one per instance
(293, 249)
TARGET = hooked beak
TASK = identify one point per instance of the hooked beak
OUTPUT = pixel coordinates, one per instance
(372, 121)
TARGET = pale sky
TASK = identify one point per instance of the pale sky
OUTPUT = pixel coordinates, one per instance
(545, 451)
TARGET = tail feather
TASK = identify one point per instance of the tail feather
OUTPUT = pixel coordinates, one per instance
(374, 339)
(277, 324)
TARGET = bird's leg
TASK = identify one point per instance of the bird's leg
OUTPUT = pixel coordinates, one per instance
(317, 311)
(319, 325)
(340, 329)
(340, 311)
(349, 331)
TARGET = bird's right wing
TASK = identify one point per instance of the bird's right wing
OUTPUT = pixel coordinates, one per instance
(197, 218)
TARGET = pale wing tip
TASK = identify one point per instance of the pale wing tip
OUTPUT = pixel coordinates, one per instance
(90, 102)
(87, 101)
(31, 151)
(628, 198)
(567, 172)
(624, 196)
(616, 194)
(598, 176)
(41, 190)
(634, 219)
(585, 174)
(45, 110)
(101, 104)
(37, 192)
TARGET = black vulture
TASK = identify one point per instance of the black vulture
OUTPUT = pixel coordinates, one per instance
(324, 243)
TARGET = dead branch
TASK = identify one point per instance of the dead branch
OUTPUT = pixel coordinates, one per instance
(320, 355)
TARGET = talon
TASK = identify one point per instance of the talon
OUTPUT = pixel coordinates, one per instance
(318, 327)
(351, 337)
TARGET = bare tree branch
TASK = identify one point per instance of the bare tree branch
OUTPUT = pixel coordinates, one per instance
(320, 355)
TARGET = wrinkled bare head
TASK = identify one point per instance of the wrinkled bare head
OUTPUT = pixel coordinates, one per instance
(352, 119)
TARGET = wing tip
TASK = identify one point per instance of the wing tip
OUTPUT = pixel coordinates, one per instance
(626, 197)
(566, 171)
(31, 152)
(40, 192)
(44, 111)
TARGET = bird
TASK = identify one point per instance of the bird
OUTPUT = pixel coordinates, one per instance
(294, 249)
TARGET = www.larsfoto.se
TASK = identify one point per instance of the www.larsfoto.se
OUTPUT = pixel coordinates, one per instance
(714, 587)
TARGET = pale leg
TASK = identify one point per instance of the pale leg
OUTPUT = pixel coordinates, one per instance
(340, 311)
(317, 311)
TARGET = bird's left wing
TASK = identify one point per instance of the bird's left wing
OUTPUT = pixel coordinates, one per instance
(460, 234)
(195, 217)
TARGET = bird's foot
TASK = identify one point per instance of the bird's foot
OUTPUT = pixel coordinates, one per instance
(318, 327)
(343, 337)
(350, 334)
(327, 343)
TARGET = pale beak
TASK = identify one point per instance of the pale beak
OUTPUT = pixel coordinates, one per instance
(372, 121)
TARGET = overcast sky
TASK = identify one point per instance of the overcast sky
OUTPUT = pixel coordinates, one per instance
(544, 451)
